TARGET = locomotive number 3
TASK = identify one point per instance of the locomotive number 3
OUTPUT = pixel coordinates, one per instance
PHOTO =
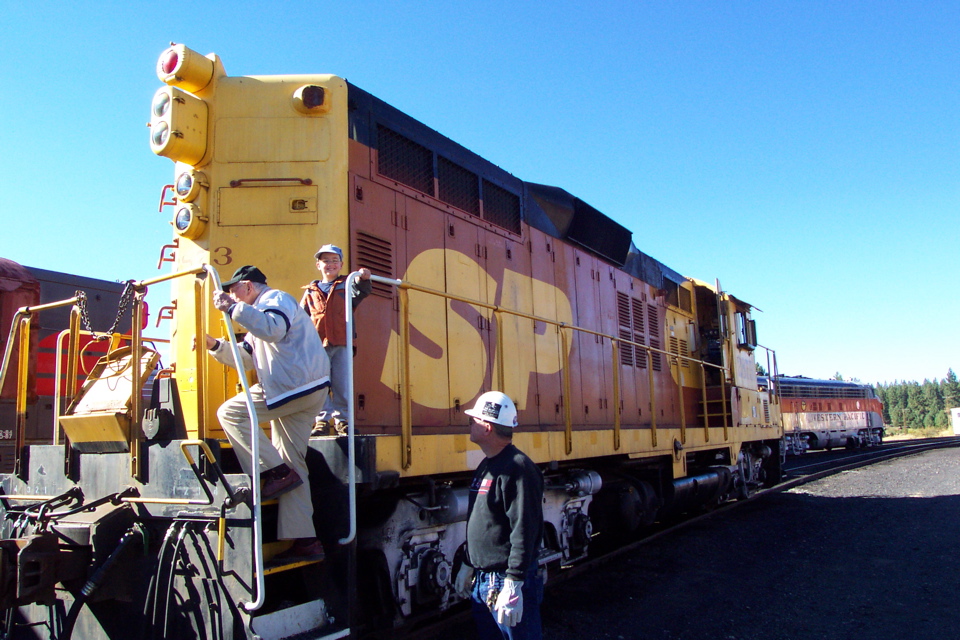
(223, 256)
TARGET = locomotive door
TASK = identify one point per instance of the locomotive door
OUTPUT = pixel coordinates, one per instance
(633, 385)
(433, 329)
(568, 281)
(377, 245)
(508, 262)
(594, 350)
(470, 344)
(548, 302)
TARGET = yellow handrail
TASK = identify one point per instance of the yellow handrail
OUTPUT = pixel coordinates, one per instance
(406, 410)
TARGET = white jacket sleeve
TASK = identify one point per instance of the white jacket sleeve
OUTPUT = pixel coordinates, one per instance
(269, 317)
(223, 354)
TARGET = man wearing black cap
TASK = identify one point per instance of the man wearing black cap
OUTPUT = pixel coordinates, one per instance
(294, 374)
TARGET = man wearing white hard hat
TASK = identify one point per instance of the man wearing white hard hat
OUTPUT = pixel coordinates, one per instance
(324, 300)
(504, 528)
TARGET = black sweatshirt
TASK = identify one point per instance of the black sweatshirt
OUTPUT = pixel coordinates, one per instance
(505, 518)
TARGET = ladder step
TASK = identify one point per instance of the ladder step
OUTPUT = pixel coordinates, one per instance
(308, 620)
(272, 564)
(279, 566)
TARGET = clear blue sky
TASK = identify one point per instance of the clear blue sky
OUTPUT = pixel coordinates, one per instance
(807, 154)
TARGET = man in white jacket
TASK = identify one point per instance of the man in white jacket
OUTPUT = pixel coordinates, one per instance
(293, 371)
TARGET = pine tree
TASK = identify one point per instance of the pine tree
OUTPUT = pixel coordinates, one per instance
(951, 390)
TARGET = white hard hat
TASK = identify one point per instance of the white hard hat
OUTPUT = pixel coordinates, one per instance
(495, 406)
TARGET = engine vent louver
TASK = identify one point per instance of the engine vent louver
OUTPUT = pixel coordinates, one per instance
(376, 254)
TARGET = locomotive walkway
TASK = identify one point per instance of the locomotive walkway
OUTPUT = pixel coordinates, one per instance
(867, 554)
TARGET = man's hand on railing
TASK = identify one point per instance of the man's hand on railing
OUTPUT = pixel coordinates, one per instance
(210, 343)
(222, 300)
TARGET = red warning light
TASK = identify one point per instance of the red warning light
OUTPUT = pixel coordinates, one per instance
(169, 61)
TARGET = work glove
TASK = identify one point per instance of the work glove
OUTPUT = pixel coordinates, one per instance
(463, 583)
(509, 606)
(222, 300)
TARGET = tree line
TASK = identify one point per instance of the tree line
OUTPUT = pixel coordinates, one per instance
(916, 405)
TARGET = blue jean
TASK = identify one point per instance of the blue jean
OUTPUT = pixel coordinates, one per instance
(336, 405)
(529, 627)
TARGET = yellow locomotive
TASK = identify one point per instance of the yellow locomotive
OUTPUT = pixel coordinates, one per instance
(636, 387)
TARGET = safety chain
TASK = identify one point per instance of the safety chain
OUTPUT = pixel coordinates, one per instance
(125, 299)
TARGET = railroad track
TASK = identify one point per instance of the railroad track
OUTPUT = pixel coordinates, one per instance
(800, 470)
(809, 467)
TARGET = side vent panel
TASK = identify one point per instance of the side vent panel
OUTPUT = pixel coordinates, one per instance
(376, 254)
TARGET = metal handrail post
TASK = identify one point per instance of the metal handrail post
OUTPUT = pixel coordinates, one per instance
(615, 355)
(15, 322)
(23, 371)
(406, 401)
(501, 376)
(706, 404)
(723, 396)
(201, 360)
(254, 450)
(351, 430)
(567, 393)
(683, 412)
(653, 397)
(136, 360)
(8, 350)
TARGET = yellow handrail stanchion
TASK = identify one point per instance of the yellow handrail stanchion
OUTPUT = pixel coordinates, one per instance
(567, 397)
(406, 402)
(703, 400)
(199, 319)
(501, 380)
(615, 353)
(683, 409)
(723, 397)
(653, 397)
(23, 369)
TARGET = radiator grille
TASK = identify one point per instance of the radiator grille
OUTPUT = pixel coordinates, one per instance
(458, 186)
(403, 160)
(500, 207)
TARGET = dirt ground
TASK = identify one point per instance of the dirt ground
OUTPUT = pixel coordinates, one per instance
(869, 554)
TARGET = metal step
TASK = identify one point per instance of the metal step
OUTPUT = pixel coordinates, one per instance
(308, 621)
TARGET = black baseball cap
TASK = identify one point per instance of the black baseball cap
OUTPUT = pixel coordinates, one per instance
(248, 272)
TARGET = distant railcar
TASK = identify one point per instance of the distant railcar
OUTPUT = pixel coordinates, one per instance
(823, 414)
(636, 386)
(30, 287)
